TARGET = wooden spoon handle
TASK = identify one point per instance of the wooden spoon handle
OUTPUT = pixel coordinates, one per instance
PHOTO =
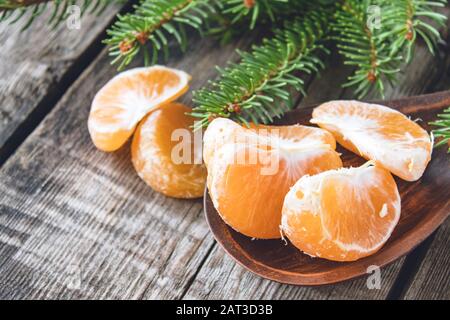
(432, 101)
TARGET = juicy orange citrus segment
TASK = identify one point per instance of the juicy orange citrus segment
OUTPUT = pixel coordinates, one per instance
(220, 132)
(342, 215)
(225, 131)
(164, 154)
(127, 98)
(378, 133)
(250, 170)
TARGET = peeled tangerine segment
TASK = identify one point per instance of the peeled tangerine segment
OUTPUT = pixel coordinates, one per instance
(223, 131)
(343, 214)
(166, 153)
(127, 98)
(378, 133)
(251, 170)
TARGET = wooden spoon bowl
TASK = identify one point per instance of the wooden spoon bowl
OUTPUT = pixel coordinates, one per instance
(425, 205)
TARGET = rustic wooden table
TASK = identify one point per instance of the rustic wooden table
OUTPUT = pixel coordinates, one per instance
(79, 223)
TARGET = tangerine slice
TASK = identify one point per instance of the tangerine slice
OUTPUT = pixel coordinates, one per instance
(225, 131)
(119, 106)
(165, 155)
(378, 133)
(342, 215)
(250, 170)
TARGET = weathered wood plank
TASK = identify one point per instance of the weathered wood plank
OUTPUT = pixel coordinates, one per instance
(221, 277)
(228, 280)
(432, 281)
(38, 63)
(70, 214)
(77, 223)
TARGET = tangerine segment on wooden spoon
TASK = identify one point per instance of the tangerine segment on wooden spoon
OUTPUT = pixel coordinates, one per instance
(164, 152)
(378, 133)
(119, 106)
(251, 170)
(424, 207)
(225, 131)
(342, 215)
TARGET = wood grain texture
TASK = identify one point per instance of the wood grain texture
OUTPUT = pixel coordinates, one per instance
(69, 211)
(432, 281)
(213, 280)
(35, 62)
(78, 223)
(425, 206)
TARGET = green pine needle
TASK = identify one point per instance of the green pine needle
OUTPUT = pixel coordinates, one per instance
(152, 24)
(256, 89)
(407, 20)
(254, 9)
(13, 11)
(442, 133)
(378, 52)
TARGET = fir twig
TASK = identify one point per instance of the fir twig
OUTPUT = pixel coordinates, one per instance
(255, 89)
(254, 8)
(363, 47)
(151, 25)
(442, 133)
(16, 4)
(378, 52)
(14, 10)
(261, 10)
(405, 20)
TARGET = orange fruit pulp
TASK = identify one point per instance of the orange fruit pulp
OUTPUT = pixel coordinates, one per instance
(165, 155)
(378, 133)
(342, 215)
(251, 170)
(119, 106)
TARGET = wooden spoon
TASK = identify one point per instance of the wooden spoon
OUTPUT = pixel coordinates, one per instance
(425, 205)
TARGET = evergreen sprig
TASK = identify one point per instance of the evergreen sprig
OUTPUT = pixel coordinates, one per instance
(254, 9)
(405, 20)
(363, 47)
(153, 22)
(151, 25)
(378, 51)
(265, 10)
(14, 10)
(256, 88)
(442, 133)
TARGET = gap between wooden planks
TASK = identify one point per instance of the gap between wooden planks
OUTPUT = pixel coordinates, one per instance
(38, 65)
(66, 205)
(431, 277)
(221, 277)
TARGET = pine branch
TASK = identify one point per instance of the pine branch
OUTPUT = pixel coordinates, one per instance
(14, 10)
(15, 4)
(364, 48)
(377, 52)
(240, 9)
(256, 89)
(405, 21)
(443, 131)
(261, 10)
(152, 24)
